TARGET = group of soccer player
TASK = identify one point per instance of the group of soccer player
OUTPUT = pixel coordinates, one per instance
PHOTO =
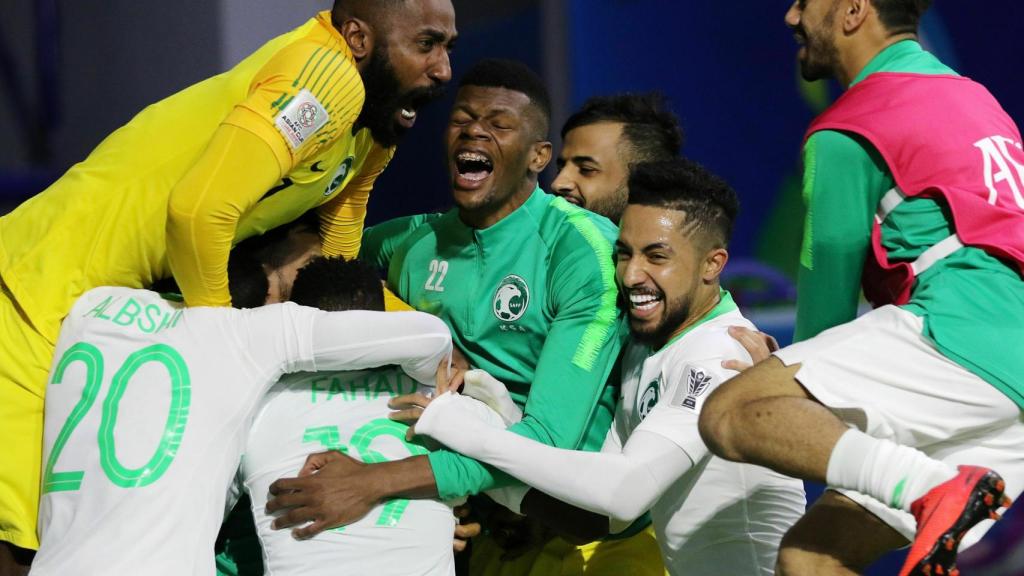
(196, 328)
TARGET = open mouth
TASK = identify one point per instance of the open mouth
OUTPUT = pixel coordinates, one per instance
(472, 168)
(411, 102)
(406, 117)
(643, 302)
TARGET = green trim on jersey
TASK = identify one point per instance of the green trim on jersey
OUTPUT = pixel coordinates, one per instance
(972, 303)
(725, 305)
(598, 332)
(810, 174)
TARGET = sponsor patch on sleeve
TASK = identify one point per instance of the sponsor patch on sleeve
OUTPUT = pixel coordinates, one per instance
(300, 119)
(691, 394)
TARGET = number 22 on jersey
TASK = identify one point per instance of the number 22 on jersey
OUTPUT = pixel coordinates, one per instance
(438, 270)
(92, 359)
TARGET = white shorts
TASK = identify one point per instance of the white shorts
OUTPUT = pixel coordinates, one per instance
(882, 376)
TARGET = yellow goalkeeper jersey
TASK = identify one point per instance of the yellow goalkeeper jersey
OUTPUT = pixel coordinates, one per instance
(190, 159)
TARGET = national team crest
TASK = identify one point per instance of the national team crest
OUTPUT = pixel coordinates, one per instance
(697, 383)
(511, 299)
(339, 175)
(649, 399)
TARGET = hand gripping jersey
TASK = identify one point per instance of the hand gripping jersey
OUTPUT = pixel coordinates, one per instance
(721, 517)
(345, 411)
(147, 411)
(941, 136)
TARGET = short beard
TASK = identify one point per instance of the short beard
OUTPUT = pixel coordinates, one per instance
(384, 98)
(381, 101)
(824, 65)
(678, 313)
(613, 206)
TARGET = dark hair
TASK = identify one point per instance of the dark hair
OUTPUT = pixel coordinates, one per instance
(651, 130)
(901, 16)
(369, 10)
(710, 203)
(336, 284)
(272, 248)
(247, 281)
(511, 75)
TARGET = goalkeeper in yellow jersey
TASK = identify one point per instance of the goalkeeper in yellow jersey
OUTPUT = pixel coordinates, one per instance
(307, 121)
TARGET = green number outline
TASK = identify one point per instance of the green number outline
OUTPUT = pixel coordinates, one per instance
(174, 428)
(93, 359)
(363, 438)
(330, 438)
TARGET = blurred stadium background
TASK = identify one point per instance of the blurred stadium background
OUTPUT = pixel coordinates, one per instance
(71, 72)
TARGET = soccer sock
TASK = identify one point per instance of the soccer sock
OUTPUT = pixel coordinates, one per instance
(895, 475)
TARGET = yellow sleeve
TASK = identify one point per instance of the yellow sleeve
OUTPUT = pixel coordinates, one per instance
(303, 99)
(341, 219)
(231, 175)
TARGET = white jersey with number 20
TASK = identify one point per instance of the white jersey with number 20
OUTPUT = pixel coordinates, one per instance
(147, 409)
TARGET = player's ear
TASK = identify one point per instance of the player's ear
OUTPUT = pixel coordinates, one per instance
(854, 14)
(713, 264)
(359, 36)
(540, 156)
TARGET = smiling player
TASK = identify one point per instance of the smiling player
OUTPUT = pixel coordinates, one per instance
(712, 516)
(603, 139)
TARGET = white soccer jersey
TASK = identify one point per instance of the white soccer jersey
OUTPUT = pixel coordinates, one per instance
(147, 410)
(347, 411)
(721, 517)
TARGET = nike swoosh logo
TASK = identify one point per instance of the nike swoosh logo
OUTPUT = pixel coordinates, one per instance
(316, 167)
(285, 183)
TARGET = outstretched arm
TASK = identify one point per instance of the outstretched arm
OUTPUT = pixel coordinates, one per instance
(285, 338)
(570, 377)
(355, 340)
(620, 485)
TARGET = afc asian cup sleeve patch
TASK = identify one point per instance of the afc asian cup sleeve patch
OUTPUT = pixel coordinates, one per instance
(690, 394)
(301, 118)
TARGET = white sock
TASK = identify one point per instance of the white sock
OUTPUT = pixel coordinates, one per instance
(895, 475)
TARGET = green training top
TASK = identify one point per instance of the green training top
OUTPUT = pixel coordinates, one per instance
(972, 303)
(531, 300)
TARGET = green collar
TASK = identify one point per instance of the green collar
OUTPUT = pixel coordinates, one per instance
(904, 56)
(724, 306)
(511, 228)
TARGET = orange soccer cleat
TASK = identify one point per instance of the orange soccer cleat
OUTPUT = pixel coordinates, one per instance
(945, 513)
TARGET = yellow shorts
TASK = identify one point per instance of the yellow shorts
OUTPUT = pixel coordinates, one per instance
(637, 555)
(25, 358)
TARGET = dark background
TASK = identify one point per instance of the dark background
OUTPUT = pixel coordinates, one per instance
(71, 72)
